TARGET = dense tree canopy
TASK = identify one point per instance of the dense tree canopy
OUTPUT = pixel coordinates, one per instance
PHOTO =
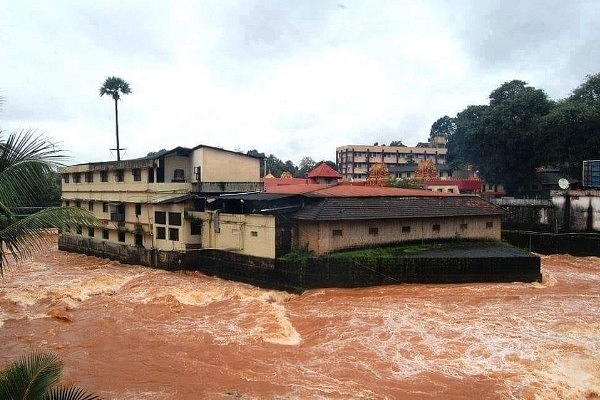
(444, 126)
(521, 129)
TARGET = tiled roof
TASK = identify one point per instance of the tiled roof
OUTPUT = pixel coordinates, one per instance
(363, 208)
(324, 171)
(314, 190)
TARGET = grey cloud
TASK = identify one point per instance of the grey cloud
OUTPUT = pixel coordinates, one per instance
(521, 34)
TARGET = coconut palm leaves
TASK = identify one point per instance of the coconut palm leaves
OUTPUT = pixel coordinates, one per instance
(35, 377)
(114, 87)
(27, 160)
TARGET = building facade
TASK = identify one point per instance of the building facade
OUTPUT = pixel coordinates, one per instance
(355, 161)
(147, 202)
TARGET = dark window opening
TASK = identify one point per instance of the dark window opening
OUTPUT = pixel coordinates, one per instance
(119, 175)
(138, 209)
(78, 204)
(89, 177)
(79, 229)
(91, 232)
(105, 207)
(406, 229)
(77, 177)
(103, 176)
(463, 227)
(436, 228)
(161, 232)
(66, 178)
(254, 233)
(105, 234)
(195, 228)
(337, 232)
(122, 236)
(373, 231)
(160, 217)
(137, 174)
(91, 206)
(489, 224)
(160, 171)
(174, 234)
(139, 240)
(175, 219)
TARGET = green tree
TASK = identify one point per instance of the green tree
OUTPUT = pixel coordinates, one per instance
(114, 87)
(36, 377)
(444, 127)
(500, 139)
(27, 167)
(397, 143)
(306, 165)
(571, 131)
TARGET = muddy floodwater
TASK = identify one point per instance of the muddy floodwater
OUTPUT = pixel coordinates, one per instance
(130, 332)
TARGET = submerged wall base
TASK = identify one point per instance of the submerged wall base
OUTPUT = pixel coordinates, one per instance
(501, 265)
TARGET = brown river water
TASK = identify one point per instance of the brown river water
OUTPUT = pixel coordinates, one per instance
(130, 332)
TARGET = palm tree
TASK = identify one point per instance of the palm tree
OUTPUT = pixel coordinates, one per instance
(114, 87)
(27, 159)
(35, 377)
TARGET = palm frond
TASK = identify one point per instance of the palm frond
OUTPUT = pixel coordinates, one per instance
(30, 377)
(26, 161)
(25, 236)
(70, 393)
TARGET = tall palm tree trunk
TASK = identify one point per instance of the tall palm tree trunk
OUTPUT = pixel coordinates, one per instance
(117, 129)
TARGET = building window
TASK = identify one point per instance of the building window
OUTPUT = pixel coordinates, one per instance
(77, 177)
(89, 177)
(138, 209)
(195, 228)
(406, 229)
(137, 174)
(463, 227)
(79, 229)
(105, 234)
(174, 234)
(489, 224)
(337, 232)
(122, 236)
(103, 176)
(450, 190)
(91, 232)
(160, 232)
(67, 203)
(160, 217)
(175, 219)
(435, 227)
(78, 204)
(105, 207)
(66, 178)
(90, 206)
(374, 231)
(254, 233)
(119, 175)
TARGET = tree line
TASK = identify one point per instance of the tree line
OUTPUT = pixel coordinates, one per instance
(276, 167)
(521, 129)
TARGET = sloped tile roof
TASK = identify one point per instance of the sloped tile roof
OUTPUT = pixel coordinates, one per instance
(315, 190)
(363, 208)
(324, 171)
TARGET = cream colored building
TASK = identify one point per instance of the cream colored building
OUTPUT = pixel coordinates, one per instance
(150, 202)
(355, 161)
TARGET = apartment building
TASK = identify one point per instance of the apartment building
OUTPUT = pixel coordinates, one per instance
(355, 161)
(146, 203)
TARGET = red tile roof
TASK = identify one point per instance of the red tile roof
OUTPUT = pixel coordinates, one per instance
(324, 171)
(314, 190)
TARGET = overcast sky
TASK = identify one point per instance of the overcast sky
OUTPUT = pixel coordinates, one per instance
(291, 78)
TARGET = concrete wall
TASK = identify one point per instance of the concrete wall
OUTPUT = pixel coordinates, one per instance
(224, 166)
(324, 237)
(578, 210)
(248, 234)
